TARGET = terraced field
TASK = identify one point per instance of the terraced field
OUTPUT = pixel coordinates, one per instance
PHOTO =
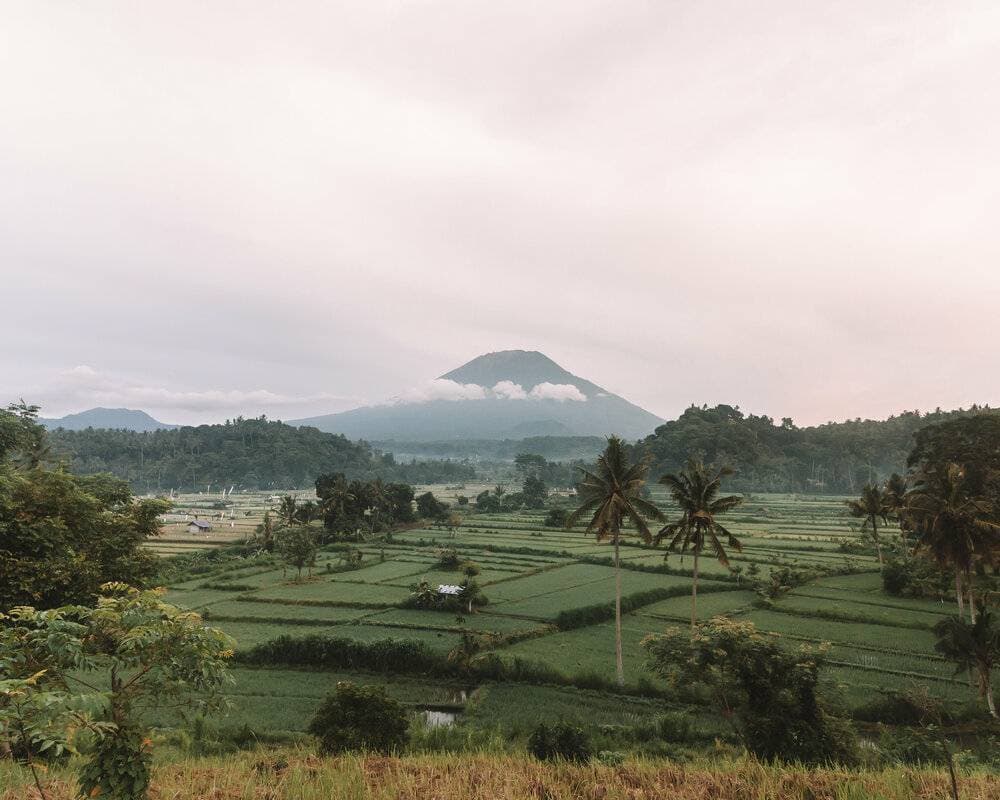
(532, 574)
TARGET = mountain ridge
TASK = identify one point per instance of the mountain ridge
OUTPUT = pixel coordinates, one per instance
(129, 419)
(503, 394)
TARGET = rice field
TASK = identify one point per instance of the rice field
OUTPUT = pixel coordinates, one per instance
(531, 575)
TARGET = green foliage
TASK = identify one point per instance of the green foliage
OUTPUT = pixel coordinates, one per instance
(601, 612)
(562, 741)
(448, 558)
(974, 647)
(781, 457)
(916, 577)
(119, 766)
(360, 718)
(136, 652)
(386, 655)
(297, 546)
(773, 693)
(248, 453)
(534, 492)
(487, 503)
(556, 518)
(61, 536)
(429, 507)
(372, 505)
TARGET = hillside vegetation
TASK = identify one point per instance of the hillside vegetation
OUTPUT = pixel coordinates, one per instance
(246, 453)
(838, 457)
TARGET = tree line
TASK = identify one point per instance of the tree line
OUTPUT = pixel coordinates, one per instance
(769, 456)
(247, 453)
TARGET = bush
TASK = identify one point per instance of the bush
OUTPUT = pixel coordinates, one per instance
(448, 558)
(772, 693)
(556, 518)
(561, 741)
(360, 718)
(917, 577)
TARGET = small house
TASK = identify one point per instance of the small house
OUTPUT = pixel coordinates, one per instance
(449, 589)
(198, 526)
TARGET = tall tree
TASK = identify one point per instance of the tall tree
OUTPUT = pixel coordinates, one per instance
(954, 526)
(611, 496)
(336, 498)
(695, 490)
(974, 647)
(870, 508)
(896, 488)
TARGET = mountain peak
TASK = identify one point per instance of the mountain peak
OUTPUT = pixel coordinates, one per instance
(527, 368)
(516, 393)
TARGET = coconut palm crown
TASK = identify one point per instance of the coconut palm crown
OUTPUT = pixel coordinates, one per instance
(695, 491)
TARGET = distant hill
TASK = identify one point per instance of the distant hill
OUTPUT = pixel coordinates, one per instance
(122, 419)
(512, 394)
(245, 453)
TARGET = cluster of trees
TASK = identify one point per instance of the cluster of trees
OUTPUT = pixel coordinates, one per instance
(949, 505)
(781, 457)
(947, 509)
(246, 453)
(62, 535)
(370, 506)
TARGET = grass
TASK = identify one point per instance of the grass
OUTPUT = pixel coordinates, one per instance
(291, 773)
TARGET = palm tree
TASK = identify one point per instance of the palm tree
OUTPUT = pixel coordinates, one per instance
(955, 527)
(872, 506)
(380, 500)
(287, 511)
(265, 533)
(974, 647)
(611, 496)
(338, 499)
(896, 489)
(696, 492)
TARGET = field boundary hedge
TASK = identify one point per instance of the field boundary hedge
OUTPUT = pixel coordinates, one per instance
(601, 612)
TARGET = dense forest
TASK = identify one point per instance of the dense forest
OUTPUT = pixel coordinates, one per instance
(838, 457)
(246, 453)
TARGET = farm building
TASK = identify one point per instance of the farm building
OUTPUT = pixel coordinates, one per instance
(198, 526)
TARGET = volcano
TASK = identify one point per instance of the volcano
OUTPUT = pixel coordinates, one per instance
(512, 394)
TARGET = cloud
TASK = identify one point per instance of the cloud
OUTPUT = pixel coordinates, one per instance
(510, 390)
(441, 389)
(83, 387)
(557, 391)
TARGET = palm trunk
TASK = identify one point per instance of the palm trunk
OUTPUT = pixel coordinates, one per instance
(694, 594)
(959, 595)
(972, 600)
(990, 703)
(878, 544)
(619, 667)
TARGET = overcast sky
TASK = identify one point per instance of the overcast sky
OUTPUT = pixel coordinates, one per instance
(217, 208)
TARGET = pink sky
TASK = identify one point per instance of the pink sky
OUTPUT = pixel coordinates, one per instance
(246, 207)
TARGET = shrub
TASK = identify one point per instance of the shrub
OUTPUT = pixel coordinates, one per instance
(773, 693)
(556, 518)
(561, 741)
(119, 767)
(470, 569)
(360, 718)
(448, 558)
